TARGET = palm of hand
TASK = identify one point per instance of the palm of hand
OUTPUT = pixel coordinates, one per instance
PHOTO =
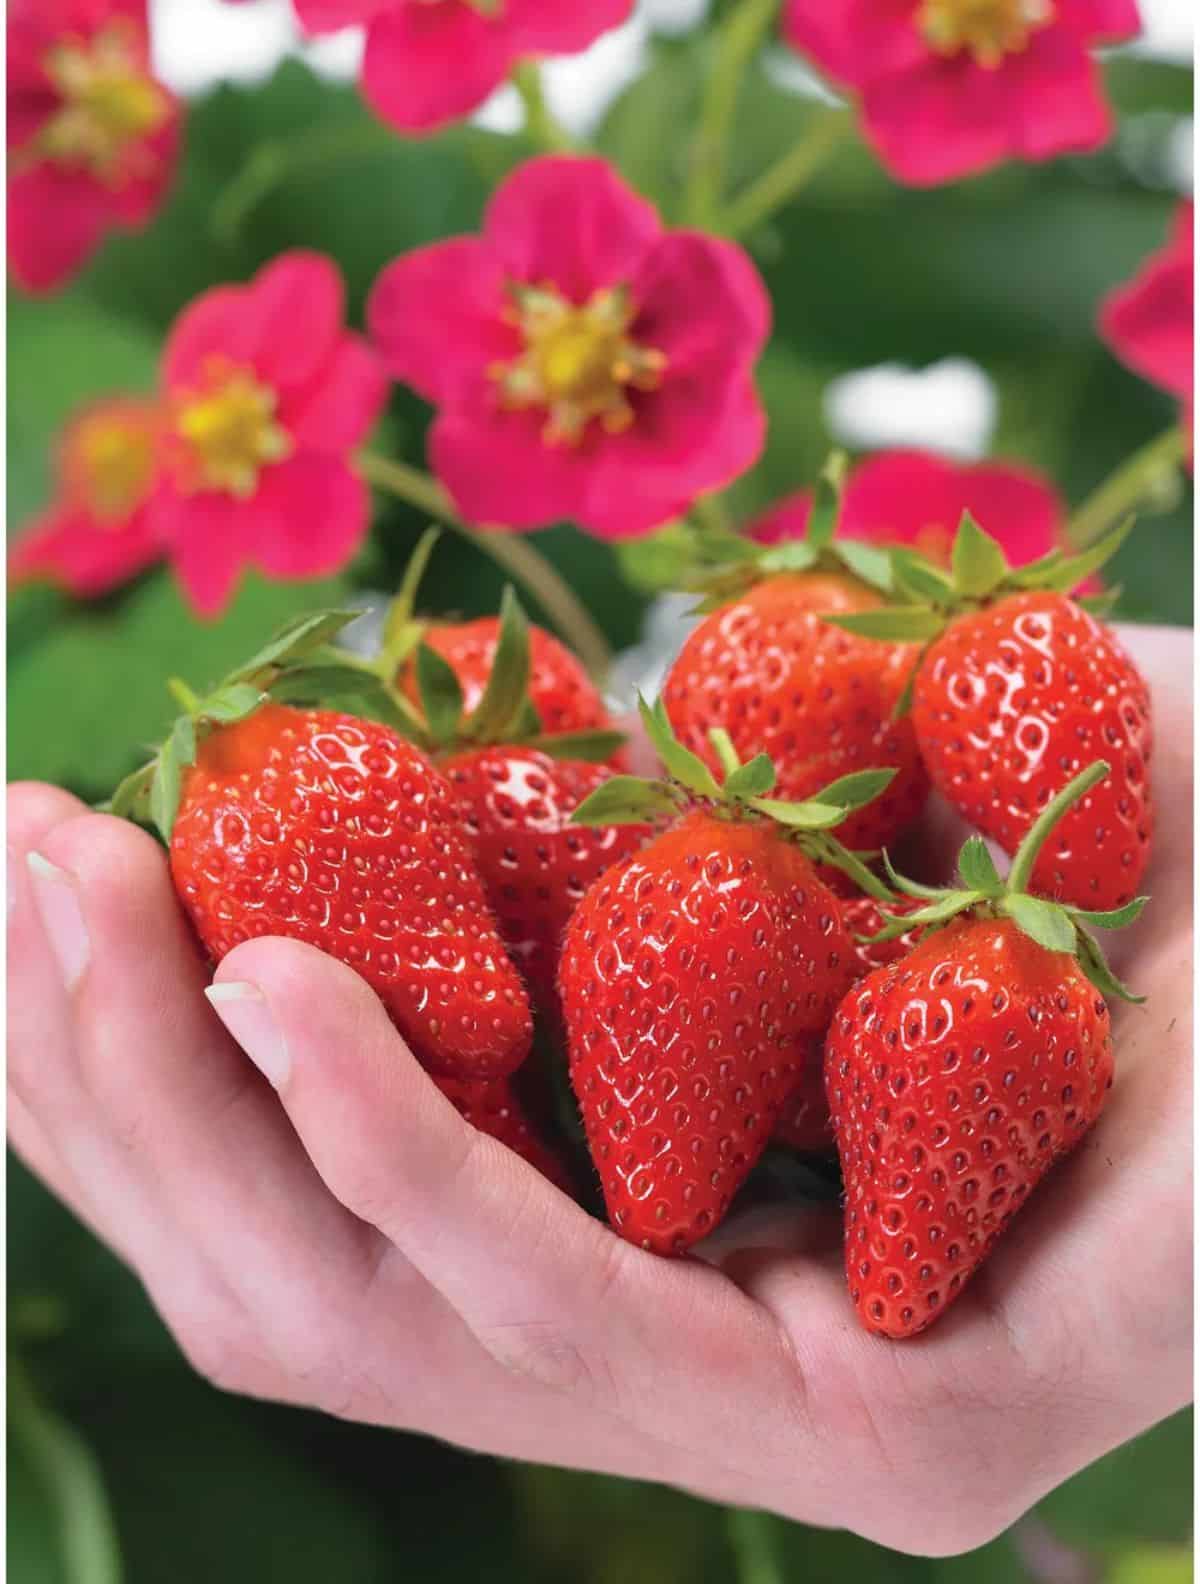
(359, 1248)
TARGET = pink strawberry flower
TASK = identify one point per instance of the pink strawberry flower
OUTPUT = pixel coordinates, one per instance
(915, 498)
(947, 88)
(266, 396)
(93, 137)
(585, 363)
(97, 534)
(428, 62)
(1149, 323)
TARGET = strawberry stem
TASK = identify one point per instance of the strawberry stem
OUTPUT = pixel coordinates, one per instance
(1026, 855)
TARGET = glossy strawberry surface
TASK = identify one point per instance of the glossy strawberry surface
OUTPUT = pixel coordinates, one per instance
(956, 1077)
(691, 973)
(804, 1123)
(563, 694)
(491, 1105)
(334, 831)
(517, 805)
(1013, 701)
(818, 700)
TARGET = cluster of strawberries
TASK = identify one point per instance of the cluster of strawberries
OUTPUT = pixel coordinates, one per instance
(453, 820)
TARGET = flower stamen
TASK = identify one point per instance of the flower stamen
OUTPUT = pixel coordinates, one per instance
(109, 103)
(111, 464)
(579, 362)
(989, 29)
(229, 431)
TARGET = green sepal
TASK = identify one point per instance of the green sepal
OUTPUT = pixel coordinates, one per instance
(232, 703)
(910, 888)
(508, 681)
(1112, 918)
(346, 686)
(294, 641)
(807, 816)
(727, 754)
(825, 849)
(1101, 605)
(131, 797)
(977, 562)
(680, 763)
(752, 780)
(177, 753)
(856, 790)
(949, 905)
(628, 800)
(827, 502)
(1092, 961)
(1061, 573)
(917, 579)
(440, 694)
(895, 624)
(1043, 922)
(870, 564)
(402, 631)
(589, 747)
(796, 555)
(976, 869)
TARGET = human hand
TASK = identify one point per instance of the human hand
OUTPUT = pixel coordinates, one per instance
(346, 1241)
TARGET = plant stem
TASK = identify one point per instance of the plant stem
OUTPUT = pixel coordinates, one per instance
(1138, 479)
(750, 1540)
(507, 549)
(780, 182)
(540, 122)
(735, 44)
(1027, 853)
(272, 163)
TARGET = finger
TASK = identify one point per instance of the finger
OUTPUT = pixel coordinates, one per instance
(553, 1296)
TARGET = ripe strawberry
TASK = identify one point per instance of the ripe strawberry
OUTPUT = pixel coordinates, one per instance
(958, 1074)
(560, 689)
(690, 975)
(517, 806)
(1019, 687)
(805, 1123)
(492, 1106)
(334, 830)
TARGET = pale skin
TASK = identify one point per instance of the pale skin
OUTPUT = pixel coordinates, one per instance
(340, 1238)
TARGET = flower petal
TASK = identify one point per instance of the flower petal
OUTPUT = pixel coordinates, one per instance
(337, 410)
(562, 29)
(703, 304)
(71, 547)
(1149, 322)
(215, 324)
(328, 16)
(56, 220)
(205, 535)
(310, 515)
(426, 65)
(435, 316)
(571, 223)
(940, 121)
(498, 469)
(296, 306)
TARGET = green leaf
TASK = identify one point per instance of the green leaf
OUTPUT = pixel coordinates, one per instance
(976, 868)
(1044, 922)
(871, 564)
(895, 624)
(1113, 918)
(753, 779)
(827, 501)
(856, 790)
(679, 762)
(1094, 964)
(589, 747)
(917, 579)
(441, 695)
(627, 800)
(977, 563)
(508, 680)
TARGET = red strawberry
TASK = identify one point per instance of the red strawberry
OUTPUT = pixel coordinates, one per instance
(805, 1124)
(1018, 688)
(535, 863)
(958, 1074)
(1013, 700)
(691, 975)
(492, 1106)
(767, 669)
(559, 688)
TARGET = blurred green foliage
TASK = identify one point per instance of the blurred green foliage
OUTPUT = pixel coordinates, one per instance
(1007, 270)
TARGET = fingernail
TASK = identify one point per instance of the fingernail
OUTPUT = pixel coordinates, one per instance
(57, 899)
(245, 1012)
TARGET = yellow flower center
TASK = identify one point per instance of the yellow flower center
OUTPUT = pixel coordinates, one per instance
(230, 433)
(112, 462)
(990, 29)
(579, 363)
(108, 102)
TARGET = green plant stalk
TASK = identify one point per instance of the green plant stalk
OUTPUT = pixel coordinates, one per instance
(736, 43)
(540, 122)
(508, 550)
(780, 182)
(756, 1560)
(1128, 487)
(273, 163)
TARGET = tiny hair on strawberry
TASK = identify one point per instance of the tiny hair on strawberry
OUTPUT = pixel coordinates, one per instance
(333, 828)
(697, 973)
(960, 1073)
(1018, 687)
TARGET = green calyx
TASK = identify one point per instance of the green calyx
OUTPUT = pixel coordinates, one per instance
(729, 564)
(505, 713)
(743, 790)
(298, 666)
(1056, 926)
(930, 597)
